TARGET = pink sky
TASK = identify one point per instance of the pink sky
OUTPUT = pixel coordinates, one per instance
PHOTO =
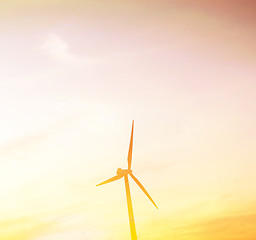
(75, 74)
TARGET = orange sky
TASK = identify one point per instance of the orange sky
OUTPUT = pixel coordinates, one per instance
(74, 74)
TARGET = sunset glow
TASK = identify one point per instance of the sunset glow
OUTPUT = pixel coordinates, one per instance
(73, 76)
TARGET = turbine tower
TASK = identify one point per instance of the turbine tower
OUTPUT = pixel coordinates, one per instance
(124, 173)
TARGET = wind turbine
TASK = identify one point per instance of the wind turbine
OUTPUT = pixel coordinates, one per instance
(124, 173)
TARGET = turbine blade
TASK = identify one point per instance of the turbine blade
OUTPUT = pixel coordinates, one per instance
(142, 188)
(110, 180)
(129, 158)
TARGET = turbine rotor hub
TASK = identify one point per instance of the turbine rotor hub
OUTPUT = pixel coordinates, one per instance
(123, 172)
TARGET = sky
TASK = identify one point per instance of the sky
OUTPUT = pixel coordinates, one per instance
(73, 76)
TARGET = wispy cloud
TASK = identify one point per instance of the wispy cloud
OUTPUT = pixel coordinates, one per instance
(57, 48)
(23, 228)
(239, 227)
(236, 227)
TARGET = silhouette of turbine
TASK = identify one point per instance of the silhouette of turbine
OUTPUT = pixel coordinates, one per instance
(124, 173)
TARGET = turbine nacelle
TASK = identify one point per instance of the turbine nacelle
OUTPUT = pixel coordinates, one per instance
(123, 172)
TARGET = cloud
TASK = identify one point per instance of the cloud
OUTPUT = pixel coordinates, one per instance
(23, 228)
(79, 234)
(237, 227)
(240, 227)
(57, 48)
